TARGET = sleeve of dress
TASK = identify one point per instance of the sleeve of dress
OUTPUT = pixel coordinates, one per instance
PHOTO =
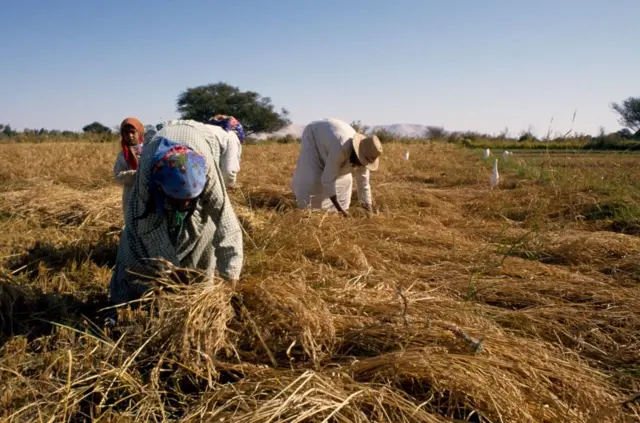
(230, 160)
(227, 241)
(361, 175)
(121, 172)
(331, 172)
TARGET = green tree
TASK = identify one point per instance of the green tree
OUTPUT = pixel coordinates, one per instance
(625, 133)
(527, 136)
(7, 131)
(435, 132)
(96, 128)
(629, 112)
(256, 113)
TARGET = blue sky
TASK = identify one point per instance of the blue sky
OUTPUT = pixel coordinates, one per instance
(463, 64)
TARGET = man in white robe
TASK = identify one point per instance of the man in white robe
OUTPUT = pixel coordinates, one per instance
(331, 154)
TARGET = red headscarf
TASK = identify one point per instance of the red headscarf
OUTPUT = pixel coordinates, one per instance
(130, 158)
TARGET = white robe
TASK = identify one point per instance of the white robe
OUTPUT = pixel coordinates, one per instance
(230, 153)
(324, 168)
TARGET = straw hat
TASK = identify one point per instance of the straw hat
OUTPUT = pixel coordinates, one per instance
(368, 150)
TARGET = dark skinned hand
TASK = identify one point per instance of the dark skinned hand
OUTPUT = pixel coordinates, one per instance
(336, 204)
(133, 154)
(179, 276)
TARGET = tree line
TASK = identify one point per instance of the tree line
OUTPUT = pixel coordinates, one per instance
(258, 115)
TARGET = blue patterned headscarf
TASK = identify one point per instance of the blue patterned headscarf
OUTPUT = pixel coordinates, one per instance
(228, 123)
(177, 172)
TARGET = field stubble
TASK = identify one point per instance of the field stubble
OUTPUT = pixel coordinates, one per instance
(455, 302)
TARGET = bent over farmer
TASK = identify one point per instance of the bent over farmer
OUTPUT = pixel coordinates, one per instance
(230, 146)
(331, 154)
(179, 212)
(228, 134)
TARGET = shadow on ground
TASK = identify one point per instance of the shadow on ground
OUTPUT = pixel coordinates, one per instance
(57, 258)
(276, 200)
(34, 313)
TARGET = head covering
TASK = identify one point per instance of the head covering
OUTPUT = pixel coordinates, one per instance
(177, 172)
(228, 123)
(131, 159)
(368, 150)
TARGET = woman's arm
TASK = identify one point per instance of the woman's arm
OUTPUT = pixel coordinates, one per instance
(121, 172)
(230, 160)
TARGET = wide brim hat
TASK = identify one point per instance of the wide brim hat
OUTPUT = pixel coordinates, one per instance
(368, 149)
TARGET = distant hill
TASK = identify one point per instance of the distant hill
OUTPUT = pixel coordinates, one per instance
(411, 130)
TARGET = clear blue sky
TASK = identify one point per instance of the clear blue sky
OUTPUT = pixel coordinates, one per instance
(463, 64)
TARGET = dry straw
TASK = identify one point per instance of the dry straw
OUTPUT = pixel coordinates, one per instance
(443, 307)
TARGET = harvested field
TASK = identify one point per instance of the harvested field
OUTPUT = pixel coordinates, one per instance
(454, 302)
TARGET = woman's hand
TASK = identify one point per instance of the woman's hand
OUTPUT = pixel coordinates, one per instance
(135, 153)
(234, 283)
